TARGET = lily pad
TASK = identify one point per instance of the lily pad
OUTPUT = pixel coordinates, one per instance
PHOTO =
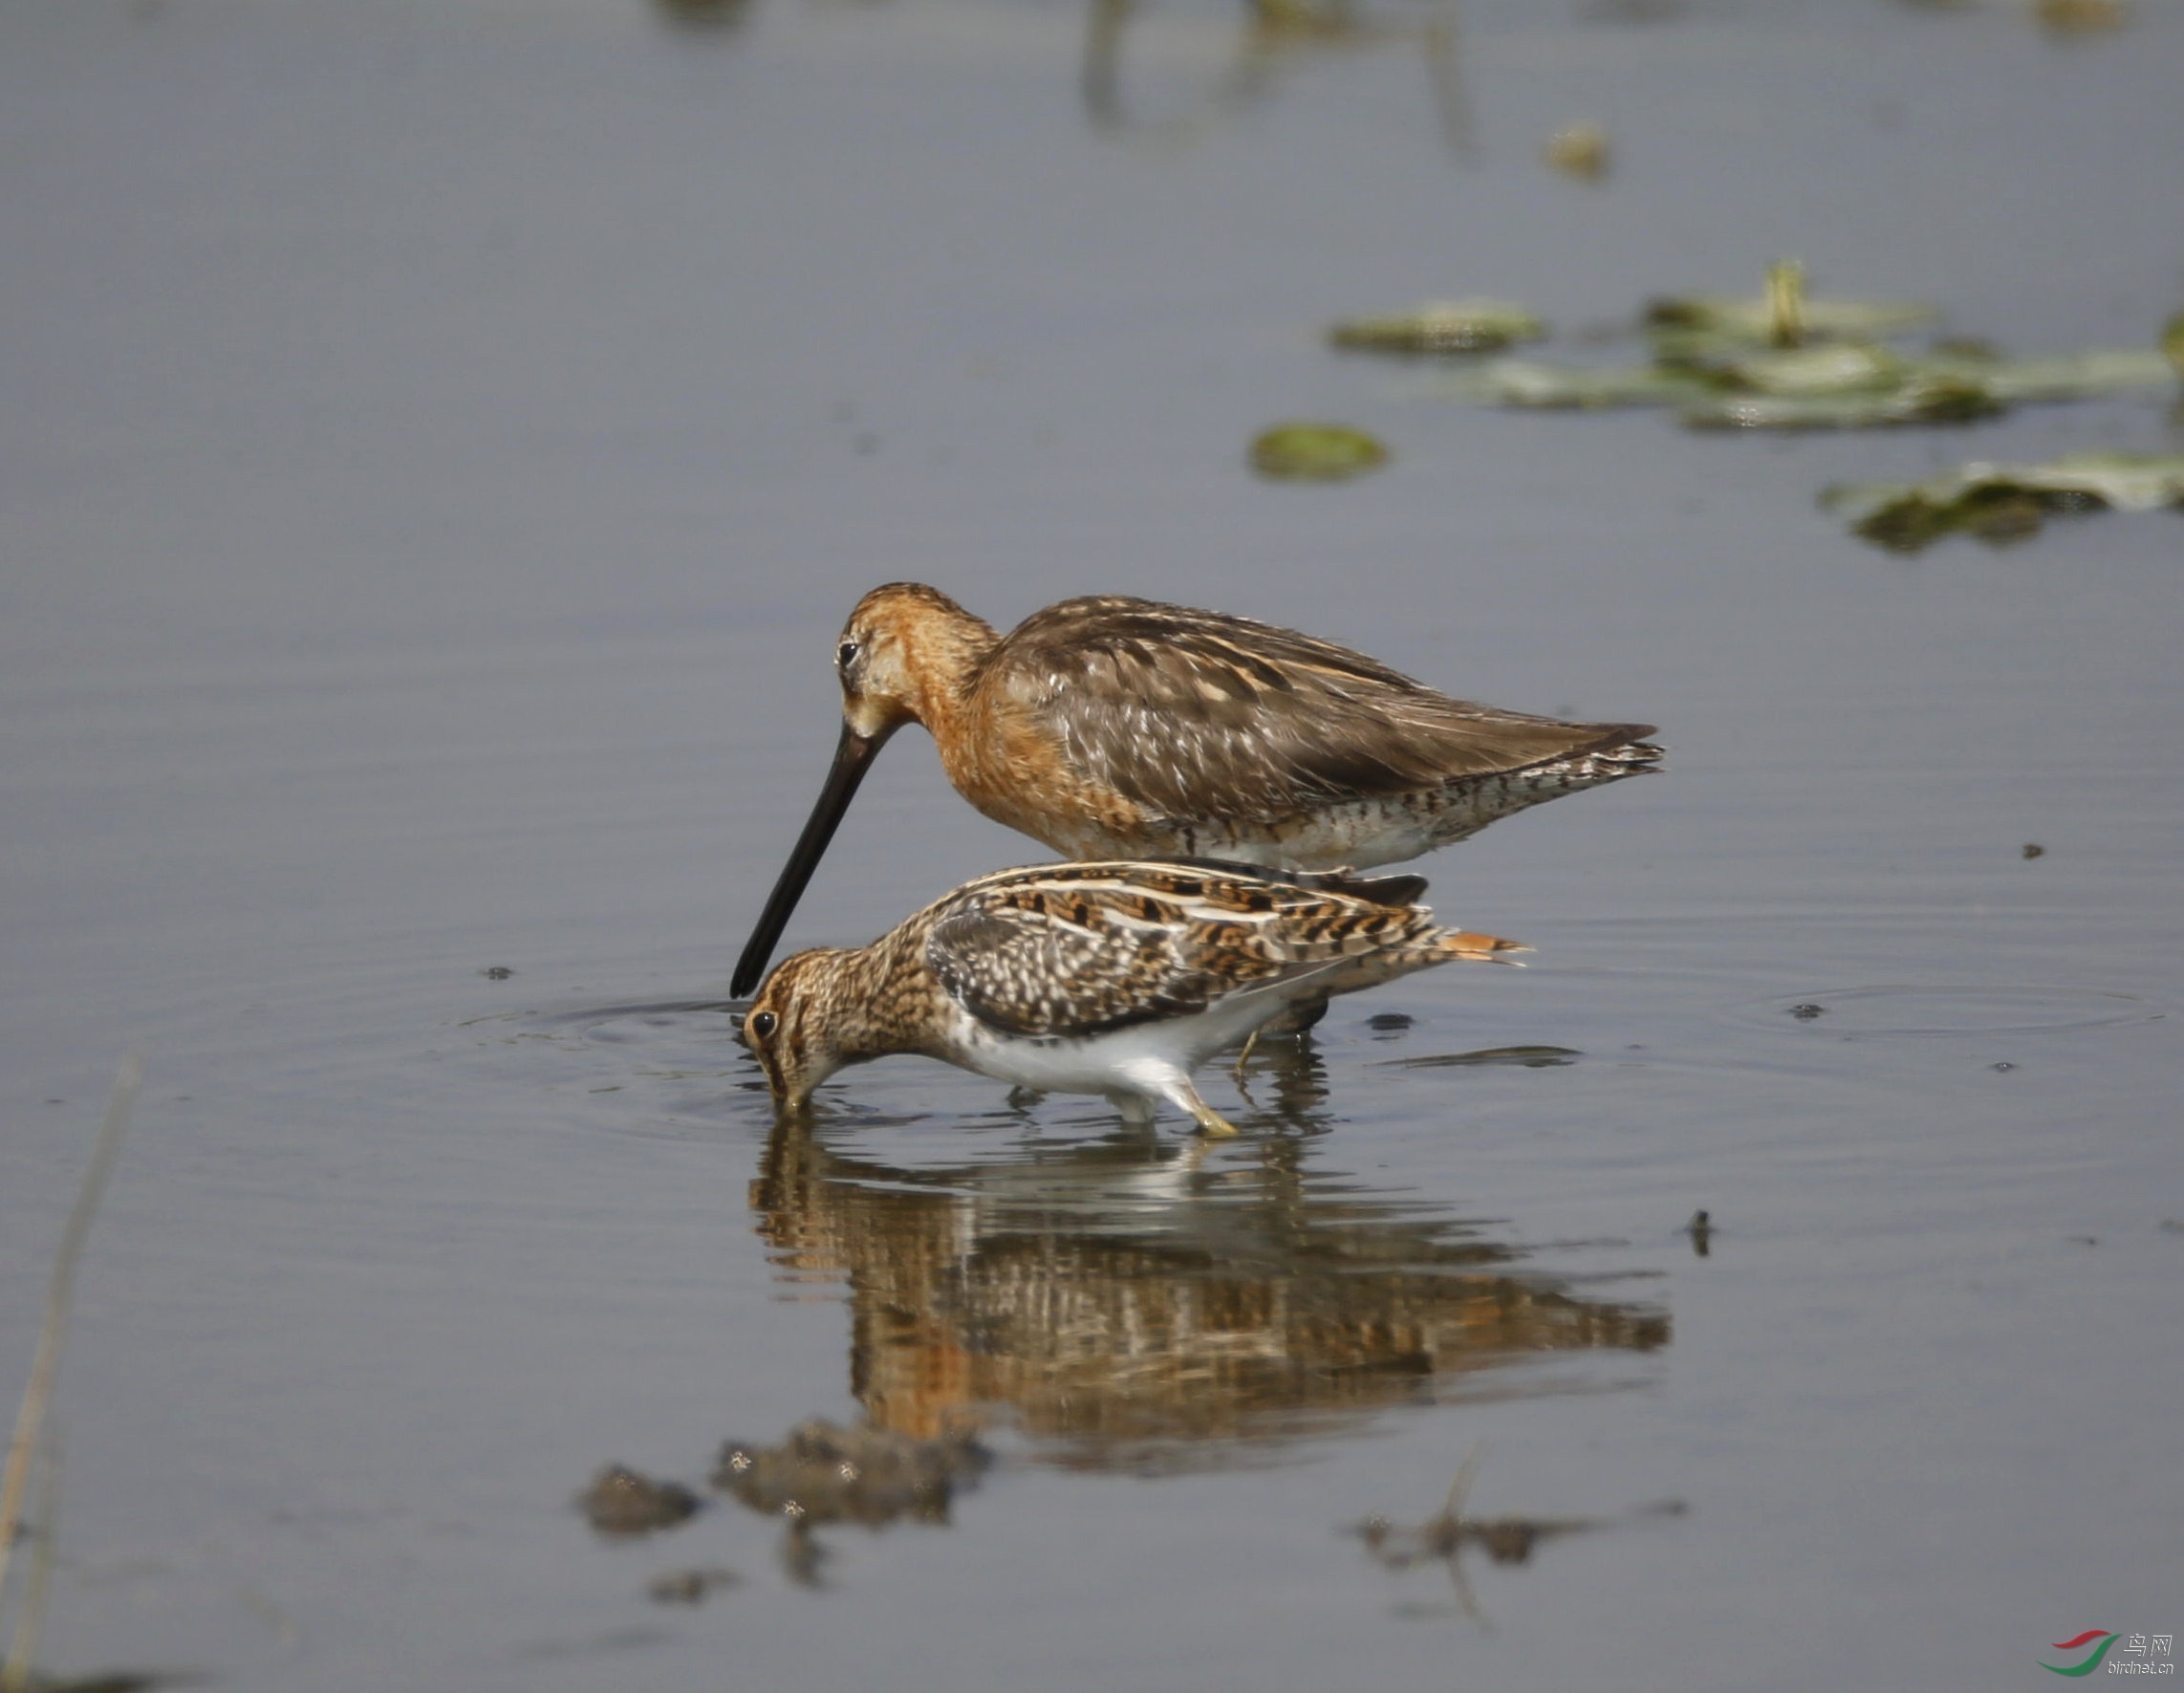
(2075, 376)
(1839, 386)
(1443, 326)
(2081, 18)
(1922, 398)
(1784, 362)
(1755, 320)
(1531, 382)
(1839, 367)
(1580, 150)
(1316, 452)
(2004, 503)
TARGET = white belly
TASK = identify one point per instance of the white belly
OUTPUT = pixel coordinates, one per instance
(1127, 1061)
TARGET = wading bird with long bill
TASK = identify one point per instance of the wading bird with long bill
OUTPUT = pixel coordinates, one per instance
(1116, 728)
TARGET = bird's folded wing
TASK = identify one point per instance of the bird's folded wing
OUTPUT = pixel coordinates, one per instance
(1169, 707)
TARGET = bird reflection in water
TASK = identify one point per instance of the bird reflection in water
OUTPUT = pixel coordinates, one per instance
(1132, 1303)
(1274, 36)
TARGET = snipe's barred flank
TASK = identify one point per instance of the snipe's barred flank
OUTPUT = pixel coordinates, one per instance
(1115, 978)
(1111, 728)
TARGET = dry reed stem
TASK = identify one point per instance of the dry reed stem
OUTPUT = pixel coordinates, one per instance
(46, 1361)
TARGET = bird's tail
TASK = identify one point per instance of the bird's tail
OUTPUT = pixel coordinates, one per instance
(1482, 948)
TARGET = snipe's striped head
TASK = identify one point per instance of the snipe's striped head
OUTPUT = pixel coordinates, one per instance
(790, 1030)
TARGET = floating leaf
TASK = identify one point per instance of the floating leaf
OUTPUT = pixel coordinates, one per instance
(1841, 385)
(2075, 376)
(1316, 452)
(1443, 326)
(1755, 320)
(1923, 398)
(1581, 150)
(2081, 18)
(1841, 367)
(1529, 382)
(2003, 503)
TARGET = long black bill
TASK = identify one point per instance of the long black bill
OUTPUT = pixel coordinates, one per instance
(852, 756)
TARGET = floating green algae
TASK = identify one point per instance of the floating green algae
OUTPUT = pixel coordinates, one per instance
(2003, 503)
(1441, 326)
(1315, 452)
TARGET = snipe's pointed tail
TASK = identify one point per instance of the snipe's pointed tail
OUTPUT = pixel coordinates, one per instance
(1483, 948)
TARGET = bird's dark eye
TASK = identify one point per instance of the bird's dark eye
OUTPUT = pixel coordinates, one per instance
(763, 1024)
(846, 654)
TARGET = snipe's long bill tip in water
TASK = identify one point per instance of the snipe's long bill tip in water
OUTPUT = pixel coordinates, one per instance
(1111, 728)
(1117, 979)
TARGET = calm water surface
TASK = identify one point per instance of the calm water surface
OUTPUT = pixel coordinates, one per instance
(440, 446)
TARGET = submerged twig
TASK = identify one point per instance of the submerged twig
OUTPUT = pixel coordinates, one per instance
(1507, 1540)
(23, 1649)
(44, 1363)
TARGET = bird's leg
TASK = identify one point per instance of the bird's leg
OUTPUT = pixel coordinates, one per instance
(1210, 1121)
(1250, 1041)
(1158, 1078)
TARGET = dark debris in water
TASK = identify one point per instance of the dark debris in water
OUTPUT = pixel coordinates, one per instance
(803, 1559)
(1522, 1057)
(704, 16)
(2034, 850)
(1507, 1540)
(620, 1503)
(691, 1587)
(1807, 1011)
(824, 1473)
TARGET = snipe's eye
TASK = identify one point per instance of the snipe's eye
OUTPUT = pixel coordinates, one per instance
(763, 1024)
(846, 654)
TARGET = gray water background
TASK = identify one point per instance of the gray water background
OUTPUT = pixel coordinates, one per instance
(437, 445)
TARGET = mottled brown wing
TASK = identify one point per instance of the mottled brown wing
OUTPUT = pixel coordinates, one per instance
(1034, 962)
(1077, 949)
(1168, 704)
